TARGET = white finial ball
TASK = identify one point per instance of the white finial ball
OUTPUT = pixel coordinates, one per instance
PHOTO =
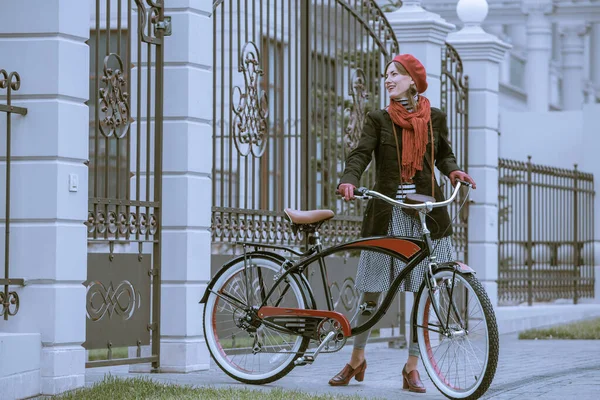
(472, 12)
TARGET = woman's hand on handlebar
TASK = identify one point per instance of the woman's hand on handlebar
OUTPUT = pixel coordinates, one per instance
(461, 176)
(347, 191)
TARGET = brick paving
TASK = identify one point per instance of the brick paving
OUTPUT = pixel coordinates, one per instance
(555, 369)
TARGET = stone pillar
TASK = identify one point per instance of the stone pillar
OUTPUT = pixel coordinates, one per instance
(498, 31)
(572, 61)
(186, 185)
(422, 34)
(539, 52)
(481, 54)
(595, 58)
(518, 36)
(50, 144)
(591, 251)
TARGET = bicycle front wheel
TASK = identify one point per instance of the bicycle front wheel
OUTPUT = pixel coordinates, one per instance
(242, 346)
(459, 345)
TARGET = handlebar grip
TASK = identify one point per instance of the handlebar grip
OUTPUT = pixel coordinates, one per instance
(464, 183)
(360, 191)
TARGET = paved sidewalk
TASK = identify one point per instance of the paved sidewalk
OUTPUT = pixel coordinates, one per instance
(557, 369)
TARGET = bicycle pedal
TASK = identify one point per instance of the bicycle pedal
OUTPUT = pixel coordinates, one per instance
(304, 360)
(368, 308)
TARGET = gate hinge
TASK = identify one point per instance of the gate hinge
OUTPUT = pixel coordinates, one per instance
(165, 26)
(153, 272)
(152, 326)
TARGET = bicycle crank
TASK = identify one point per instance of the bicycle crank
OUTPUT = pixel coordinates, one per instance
(310, 358)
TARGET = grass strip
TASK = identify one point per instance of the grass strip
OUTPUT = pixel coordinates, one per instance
(582, 330)
(112, 387)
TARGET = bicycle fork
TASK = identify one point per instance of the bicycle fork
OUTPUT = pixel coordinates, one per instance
(431, 282)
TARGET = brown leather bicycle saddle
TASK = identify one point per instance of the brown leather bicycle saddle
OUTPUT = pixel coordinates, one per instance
(308, 217)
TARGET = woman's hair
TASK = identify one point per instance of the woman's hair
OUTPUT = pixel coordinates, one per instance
(412, 90)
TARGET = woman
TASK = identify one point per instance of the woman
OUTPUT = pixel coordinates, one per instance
(399, 133)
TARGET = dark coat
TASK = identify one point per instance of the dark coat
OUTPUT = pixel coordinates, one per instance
(378, 137)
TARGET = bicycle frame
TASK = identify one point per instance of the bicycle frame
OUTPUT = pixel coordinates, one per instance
(409, 250)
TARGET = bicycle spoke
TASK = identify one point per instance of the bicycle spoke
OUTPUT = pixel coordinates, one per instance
(230, 299)
(429, 329)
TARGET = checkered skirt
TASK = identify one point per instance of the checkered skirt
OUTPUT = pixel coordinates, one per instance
(376, 271)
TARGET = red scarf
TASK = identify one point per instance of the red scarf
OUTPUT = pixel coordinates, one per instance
(414, 135)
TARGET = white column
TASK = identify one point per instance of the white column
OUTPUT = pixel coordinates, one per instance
(595, 58)
(588, 156)
(186, 185)
(518, 36)
(422, 34)
(539, 52)
(572, 62)
(499, 31)
(44, 40)
(481, 54)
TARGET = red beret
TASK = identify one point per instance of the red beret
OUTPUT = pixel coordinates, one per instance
(415, 69)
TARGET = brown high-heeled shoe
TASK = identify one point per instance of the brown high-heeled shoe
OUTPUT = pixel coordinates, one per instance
(345, 375)
(412, 381)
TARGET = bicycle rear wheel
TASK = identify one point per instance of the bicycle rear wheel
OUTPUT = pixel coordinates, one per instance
(459, 348)
(250, 351)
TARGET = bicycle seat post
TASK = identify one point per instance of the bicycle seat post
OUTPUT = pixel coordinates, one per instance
(316, 241)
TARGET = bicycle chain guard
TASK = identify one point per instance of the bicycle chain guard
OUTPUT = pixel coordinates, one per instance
(315, 324)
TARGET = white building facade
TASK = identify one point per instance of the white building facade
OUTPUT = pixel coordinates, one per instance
(525, 60)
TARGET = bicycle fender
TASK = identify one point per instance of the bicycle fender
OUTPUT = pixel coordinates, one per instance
(457, 265)
(221, 271)
(303, 282)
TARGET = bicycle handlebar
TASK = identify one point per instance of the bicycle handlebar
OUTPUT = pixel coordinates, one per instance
(367, 194)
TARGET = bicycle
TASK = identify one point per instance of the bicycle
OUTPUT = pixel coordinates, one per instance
(260, 313)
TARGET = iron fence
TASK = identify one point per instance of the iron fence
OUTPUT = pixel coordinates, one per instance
(454, 102)
(546, 233)
(9, 299)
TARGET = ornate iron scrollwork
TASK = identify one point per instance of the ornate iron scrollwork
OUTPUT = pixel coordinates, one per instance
(123, 300)
(11, 81)
(113, 101)
(347, 294)
(453, 74)
(250, 122)
(145, 15)
(9, 303)
(360, 96)
(124, 223)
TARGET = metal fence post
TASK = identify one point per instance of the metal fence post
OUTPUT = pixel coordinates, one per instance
(529, 235)
(575, 236)
(11, 82)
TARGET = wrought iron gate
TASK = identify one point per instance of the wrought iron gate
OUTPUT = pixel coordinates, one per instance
(125, 174)
(455, 103)
(293, 81)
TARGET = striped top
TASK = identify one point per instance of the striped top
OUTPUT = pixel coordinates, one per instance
(405, 104)
(404, 189)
